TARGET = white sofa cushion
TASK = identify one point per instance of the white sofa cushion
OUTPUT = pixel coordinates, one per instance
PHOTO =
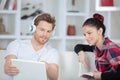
(68, 66)
(3, 76)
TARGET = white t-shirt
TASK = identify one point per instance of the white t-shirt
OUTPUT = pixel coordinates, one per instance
(23, 49)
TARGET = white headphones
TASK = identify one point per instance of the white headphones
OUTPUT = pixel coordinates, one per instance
(32, 27)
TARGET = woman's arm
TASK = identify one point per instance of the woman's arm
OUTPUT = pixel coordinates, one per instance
(111, 75)
(107, 75)
(83, 47)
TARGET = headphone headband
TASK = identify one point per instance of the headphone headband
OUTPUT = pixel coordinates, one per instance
(33, 26)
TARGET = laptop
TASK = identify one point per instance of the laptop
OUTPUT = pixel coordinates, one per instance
(30, 70)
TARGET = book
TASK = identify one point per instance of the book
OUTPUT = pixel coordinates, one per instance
(14, 5)
(11, 4)
(84, 72)
(30, 70)
(88, 75)
(2, 5)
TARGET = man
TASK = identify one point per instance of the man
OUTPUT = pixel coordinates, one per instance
(35, 49)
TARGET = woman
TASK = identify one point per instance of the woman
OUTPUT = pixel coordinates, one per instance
(107, 52)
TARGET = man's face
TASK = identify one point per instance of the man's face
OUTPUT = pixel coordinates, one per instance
(43, 32)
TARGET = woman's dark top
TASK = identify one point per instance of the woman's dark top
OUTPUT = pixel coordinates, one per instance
(111, 75)
(83, 47)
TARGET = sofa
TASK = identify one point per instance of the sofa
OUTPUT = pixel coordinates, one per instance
(3, 76)
(69, 65)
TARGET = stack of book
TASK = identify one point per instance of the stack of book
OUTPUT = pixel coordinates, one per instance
(8, 4)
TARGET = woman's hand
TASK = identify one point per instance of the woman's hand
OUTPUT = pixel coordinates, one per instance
(83, 59)
(97, 75)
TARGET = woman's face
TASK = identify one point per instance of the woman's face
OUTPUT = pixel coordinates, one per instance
(92, 34)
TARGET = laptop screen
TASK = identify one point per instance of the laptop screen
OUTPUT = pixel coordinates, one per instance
(30, 70)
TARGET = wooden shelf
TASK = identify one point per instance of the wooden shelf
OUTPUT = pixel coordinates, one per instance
(8, 11)
(7, 36)
(107, 8)
(98, 7)
(76, 14)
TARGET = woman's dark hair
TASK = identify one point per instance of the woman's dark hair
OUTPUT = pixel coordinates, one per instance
(95, 23)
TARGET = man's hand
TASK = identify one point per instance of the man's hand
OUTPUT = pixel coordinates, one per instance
(10, 69)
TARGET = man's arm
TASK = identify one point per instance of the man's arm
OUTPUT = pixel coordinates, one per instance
(52, 71)
(10, 69)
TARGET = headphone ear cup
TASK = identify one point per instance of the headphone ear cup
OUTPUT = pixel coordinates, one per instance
(32, 28)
